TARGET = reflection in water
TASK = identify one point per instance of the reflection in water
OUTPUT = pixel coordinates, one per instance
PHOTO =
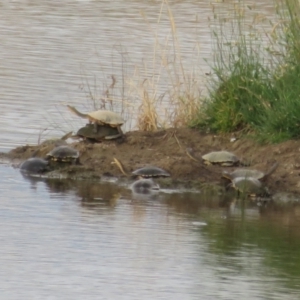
(162, 245)
(148, 195)
(144, 186)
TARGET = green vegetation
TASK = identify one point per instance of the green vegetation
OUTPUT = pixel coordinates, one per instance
(254, 86)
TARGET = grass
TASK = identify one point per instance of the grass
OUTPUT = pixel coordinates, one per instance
(255, 86)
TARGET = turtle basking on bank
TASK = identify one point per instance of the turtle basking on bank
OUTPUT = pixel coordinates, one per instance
(145, 172)
(34, 165)
(249, 186)
(101, 117)
(261, 176)
(104, 132)
(64, 154)
(222, 158)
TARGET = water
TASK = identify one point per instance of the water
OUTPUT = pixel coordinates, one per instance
(57, 52)
(91, 240)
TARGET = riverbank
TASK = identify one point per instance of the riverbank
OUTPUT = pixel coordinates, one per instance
(166, 149)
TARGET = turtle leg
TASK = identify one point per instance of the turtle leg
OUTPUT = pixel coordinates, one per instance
(111, 137)
(95, 127)
(120, 130)
(227, 164)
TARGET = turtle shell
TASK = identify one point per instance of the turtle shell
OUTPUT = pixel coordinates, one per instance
(150, 171)
(34, 165)
(103, 132)
(248, 185)
(106, 117)
(63, 154)
(246, 173)
(223, 158)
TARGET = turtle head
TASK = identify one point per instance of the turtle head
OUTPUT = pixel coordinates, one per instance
(227, 175)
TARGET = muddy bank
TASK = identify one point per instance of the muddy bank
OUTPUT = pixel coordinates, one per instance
(166, 149)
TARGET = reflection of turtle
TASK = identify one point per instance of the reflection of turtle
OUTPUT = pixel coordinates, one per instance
(63, 154)
(223, 158)
(34, 165)
(249, 186)
(144, 185)
(145, 172)
(101, 117)
(246, 173)
(104, 132)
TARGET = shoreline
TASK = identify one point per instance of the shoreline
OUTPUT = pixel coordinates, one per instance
(166, 149)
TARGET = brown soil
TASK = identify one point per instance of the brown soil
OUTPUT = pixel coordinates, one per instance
(166, 149)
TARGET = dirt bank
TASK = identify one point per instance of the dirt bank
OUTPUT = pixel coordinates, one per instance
(166, 149)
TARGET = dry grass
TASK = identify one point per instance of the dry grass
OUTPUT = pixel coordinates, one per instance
(158, 93)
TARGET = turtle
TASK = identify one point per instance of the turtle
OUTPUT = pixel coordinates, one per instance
(144, 185)
(249, 186)
(150, 172)
(223, 158)
(63, 154)
(261, 176)
(34, 165)
(145, 172)
(104, 132)
(101, 117)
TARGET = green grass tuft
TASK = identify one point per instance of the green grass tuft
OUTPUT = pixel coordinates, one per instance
(255, 87)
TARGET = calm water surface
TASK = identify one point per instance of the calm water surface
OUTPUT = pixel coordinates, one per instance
(55, 52)
(81, 240)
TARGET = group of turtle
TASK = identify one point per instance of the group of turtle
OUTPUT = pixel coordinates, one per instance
(144, 175)
(60, 154)
(249, 182)
(103, 124)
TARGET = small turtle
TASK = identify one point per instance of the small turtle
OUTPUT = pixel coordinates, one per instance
(144, 185)
(104, 132)
(145, 172)
(34, 165)
(63, 154)
(249, 186)
(150, 171)
(223, 158)
(101, 117)
(249, 173)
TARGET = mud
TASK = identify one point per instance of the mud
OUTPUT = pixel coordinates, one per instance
(167, 149)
